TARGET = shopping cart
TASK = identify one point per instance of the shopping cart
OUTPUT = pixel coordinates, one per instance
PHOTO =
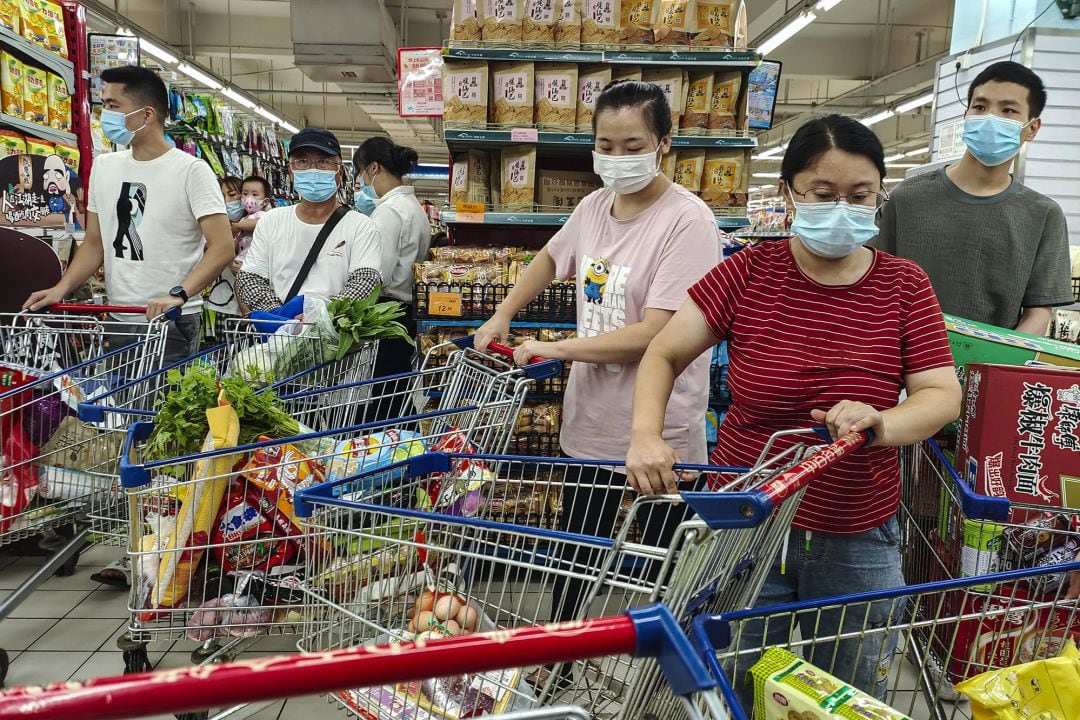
(391, 672)
(487, 531)
(932, 639)
(234, 577)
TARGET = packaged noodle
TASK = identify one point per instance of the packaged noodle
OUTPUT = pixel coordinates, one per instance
(725, 98)
(715, 23)
(699, 92)
(59, 103)
(600, 23)
(35, 95)
(667, 165)
(517, 178)
(638, 18)
(501, 19)
(9, 15)
(568, 26)
(465, 93)
(671, 81)
(625, 72)
(689, 167)
(69, 155)
(724, 182)
(464, 25)
(538, 25)
(674, 22)
(12, 78)
(39, 147)
(556, 96)
(592, 79)
(512, 94)
(11, 143)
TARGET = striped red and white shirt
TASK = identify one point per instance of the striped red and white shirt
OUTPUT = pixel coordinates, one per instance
(795, 345)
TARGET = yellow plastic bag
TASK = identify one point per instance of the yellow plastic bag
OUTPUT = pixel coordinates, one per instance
(1040, 690)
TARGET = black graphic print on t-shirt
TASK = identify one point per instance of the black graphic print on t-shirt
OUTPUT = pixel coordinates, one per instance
(129, 214)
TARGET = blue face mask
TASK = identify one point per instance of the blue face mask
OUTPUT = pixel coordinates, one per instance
(992, 140)
(834, 230)
(114, 125)
(235, 209)
(315, 185)
(365, 197)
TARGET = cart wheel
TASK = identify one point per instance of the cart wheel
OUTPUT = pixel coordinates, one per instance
(68, 568)
(5, 661)
(136, 661)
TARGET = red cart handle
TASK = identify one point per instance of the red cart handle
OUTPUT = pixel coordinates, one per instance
(507, 351)
(90, 308)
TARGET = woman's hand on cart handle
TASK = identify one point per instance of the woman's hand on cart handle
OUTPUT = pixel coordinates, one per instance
(528, 352)
(848, 416)
(494, 330)
(649, 463)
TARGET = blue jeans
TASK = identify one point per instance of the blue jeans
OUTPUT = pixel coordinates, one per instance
(820, 566)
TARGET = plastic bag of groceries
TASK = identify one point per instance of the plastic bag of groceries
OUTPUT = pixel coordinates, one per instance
(1044, 689)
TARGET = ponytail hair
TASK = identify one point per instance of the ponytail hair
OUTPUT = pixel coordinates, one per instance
(398, 160)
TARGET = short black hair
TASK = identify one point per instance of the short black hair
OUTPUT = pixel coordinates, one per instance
(1013, 72)
(820, 135)
(636, 94)
(141, 85)
(267, 190)
(398, 160)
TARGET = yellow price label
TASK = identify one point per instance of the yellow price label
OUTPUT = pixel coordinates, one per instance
(444, 304)
(469, 207)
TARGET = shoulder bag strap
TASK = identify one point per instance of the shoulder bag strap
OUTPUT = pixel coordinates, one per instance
(316, 248)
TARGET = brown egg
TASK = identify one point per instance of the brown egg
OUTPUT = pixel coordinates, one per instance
(425, 601)
(467, 617)
(447, 607)
(452, 627)
(425, 621)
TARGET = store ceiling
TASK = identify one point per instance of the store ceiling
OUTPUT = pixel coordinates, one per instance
(857, 56)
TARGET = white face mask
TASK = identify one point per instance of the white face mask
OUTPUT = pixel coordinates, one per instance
(627, 174)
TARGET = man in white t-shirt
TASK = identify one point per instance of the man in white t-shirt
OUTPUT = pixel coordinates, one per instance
(155, 216)
(348, 263)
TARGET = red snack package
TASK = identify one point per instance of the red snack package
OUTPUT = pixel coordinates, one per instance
(18, 476)
(279, 471)
(251, 534)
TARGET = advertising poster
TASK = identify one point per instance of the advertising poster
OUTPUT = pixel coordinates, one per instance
(109, 51)
(420, 82)
(763, 82)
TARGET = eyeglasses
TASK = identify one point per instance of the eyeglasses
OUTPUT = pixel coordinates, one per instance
(828, 195)
(308, 164)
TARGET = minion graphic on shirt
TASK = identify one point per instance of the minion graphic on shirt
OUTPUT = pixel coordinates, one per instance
(596, 278)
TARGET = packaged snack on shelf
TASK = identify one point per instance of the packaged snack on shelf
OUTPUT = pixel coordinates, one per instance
(638, 18)
(500, 20)
(464, 25)
(667, 164)
(35, 95)
(59, 101)
(465, 93)
(724, 181)
(564, 189)
(672, 81)
(12, 78)
(556, 96)
(11, 143)
(715, 24)
(625, 72)
(689, 167)
(725, 97)
(39, 147)
(471, 178)
(56, 36)
(699, 92)
(69, 154)
(517, 179)
(675, 22)
(592, 79)
(9, 15)
(568, 26)
(538, 25)
(600, 23)
(512, 94)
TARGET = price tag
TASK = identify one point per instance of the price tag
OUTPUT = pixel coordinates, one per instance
(524, 135)
(444, 304)
(469, 212)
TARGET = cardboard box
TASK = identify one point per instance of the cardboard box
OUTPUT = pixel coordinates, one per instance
(1020, 434)
(471, 177)
(974, 342)
(564, 189)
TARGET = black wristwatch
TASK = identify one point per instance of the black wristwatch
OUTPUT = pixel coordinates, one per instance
(179, 292)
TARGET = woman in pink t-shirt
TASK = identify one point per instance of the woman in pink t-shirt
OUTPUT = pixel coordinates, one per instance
(632, 249)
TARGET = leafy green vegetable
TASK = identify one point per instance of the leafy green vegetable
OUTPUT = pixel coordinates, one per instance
(366, 319)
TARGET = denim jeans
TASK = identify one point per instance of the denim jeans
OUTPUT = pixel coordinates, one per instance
(821, 565)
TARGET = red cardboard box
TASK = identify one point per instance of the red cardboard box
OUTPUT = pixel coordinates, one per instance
(1020, 434)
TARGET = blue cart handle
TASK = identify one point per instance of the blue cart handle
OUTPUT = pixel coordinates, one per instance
(973, 505)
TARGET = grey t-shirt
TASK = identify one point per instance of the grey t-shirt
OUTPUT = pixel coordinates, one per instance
(988, 258)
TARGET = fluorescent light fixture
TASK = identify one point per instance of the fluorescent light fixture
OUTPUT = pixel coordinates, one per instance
(920, 151)
(767, 158)
(766, 175)
(771, 152)
(268, 115)
(766, 187)
(918, 102)
(827, 5)
(199, 76)
(160, 53)
(875, 119)
(890, 181)
(787, 32)
(288, 126)
(902, 165)
(123, 30)
(753, 189)
(891, 158)
(238, 98)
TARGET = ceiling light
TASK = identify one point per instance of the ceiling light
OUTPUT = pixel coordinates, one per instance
(918, 102)
(199, 76)
(827, 5)
(288, 126)
(897, 156)
(920, 151)
(238, 98)
(875, 119)
(785, 33)
(766, 175)
(161, 54)
(268, 115)
(890, 181)
(771, 152)
(766, 187)
(767, 158)
(902, 165)
(753, 189)
(122, 30)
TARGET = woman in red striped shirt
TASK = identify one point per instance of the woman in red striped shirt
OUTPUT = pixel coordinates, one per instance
(820, 329)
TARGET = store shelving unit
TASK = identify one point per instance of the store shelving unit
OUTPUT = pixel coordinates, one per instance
(37, 130)
(39, 55)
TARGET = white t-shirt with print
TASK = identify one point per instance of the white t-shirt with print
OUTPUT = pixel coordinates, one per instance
(405, 232)
(282, 241)
(149, 213)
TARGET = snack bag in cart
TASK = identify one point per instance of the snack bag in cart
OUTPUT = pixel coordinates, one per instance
(1045, 689)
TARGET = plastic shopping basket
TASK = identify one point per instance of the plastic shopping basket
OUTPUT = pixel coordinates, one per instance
(928, 643)
(484, 660)
(489, 533)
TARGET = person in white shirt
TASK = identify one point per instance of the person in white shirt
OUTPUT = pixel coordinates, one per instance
(404, 231)
(348, 263)
(160, 210)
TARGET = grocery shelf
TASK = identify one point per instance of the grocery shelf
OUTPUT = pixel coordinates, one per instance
(670, 56)
(462, 139)
(46, 58)
(554, 219)
(423, 325)
(37, 130)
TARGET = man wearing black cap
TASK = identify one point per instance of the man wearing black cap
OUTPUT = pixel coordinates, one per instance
(286, 258)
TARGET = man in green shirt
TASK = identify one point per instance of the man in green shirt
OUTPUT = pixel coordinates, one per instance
(996, 251)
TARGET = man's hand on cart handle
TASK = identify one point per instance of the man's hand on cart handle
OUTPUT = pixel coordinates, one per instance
(848, 416)
(44, 298)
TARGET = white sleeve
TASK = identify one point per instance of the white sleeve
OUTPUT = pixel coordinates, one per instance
(204, 192)
(365, 250)
(257, 261)
(389, 224)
